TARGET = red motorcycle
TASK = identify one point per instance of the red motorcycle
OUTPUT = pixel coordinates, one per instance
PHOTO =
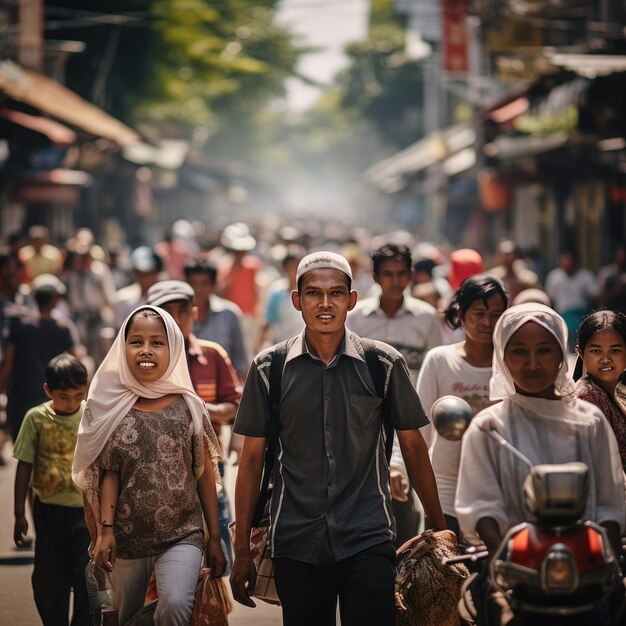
(558, 569)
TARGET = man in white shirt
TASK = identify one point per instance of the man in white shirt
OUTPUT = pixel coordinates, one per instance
(572, 291)
(412, 327)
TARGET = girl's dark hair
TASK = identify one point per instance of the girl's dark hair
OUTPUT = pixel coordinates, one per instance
(599, 321)
(478, 287)
(140, 313)
(65, 372)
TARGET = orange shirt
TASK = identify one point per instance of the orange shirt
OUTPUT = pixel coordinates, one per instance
(239, 283)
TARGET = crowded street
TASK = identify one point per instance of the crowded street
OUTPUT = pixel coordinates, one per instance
(312, 312)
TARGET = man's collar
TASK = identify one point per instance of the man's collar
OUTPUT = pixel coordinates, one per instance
(216, 304)
(371, 306)
(350, 346)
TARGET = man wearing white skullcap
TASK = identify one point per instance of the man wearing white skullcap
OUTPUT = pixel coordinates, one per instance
(331, 518)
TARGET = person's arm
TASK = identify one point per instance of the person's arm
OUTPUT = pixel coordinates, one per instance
(22, 481)
(415, 454)
(222, 413)
(243, 575)
(427, 388)
(207, 493)
(397, 473)
(489, 532)
(106, 551)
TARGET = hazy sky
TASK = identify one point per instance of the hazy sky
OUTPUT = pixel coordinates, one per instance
(329, 25)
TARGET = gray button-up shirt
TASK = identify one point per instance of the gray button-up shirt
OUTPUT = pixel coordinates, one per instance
(331, 488)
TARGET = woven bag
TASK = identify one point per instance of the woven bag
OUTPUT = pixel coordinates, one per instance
(427, 591)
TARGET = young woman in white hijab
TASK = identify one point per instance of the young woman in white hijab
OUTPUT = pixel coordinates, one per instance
(542, 418)
(146, 458)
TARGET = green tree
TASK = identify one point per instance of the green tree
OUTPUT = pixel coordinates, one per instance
(383, 84)
(194, 62)
(218, 61)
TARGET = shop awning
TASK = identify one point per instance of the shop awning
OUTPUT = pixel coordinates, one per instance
(524, 145)
(390, 175)
(59, 102)
(589, 65)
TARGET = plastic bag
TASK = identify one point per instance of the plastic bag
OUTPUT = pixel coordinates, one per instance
(212, 604)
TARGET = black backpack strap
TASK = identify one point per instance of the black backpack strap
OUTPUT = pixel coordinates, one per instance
(275, 378)
(377, 373)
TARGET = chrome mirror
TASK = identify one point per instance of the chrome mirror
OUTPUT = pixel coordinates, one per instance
(451, 416)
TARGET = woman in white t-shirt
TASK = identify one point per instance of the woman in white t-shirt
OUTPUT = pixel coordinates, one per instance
(462, 369)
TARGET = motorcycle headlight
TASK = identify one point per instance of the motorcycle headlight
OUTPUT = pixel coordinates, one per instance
(558, 570)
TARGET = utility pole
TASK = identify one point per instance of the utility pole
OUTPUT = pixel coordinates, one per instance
(30, 34)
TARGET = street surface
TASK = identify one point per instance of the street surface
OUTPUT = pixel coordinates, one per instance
(17, 607)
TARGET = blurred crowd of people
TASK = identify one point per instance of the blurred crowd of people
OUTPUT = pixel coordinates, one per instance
(74, 297)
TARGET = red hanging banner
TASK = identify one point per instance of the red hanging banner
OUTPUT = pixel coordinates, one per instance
(454, 35)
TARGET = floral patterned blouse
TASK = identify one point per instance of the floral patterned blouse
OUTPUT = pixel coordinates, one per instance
(587, 389)
(158, 504)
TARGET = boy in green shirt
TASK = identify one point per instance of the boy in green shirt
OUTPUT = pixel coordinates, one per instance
(45, 451)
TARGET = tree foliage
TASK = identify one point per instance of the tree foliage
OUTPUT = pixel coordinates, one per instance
(194, 62)
(218, 60)
(384, 85)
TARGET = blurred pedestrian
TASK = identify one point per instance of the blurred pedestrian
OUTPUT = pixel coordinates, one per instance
(238, 276)
(572, 291)
(44, 449)
(282, 321)
(412, 327)
(612, 281)
(39, 256)
(174, 254)
(512, 270)
(90, 295)
(146, 458)
(464, 263)
(218, 320)
(31, 342)
(146, 265)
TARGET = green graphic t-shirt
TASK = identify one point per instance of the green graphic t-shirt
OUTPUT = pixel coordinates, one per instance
(47, 440)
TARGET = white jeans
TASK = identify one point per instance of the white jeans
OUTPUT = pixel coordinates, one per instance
(176, 575)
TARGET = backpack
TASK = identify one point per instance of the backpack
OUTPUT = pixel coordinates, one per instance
(377, 373)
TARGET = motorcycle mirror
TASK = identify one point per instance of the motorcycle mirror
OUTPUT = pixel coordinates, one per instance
(451, 416)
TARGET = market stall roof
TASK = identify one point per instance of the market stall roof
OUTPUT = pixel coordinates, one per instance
(525, 145)
(589, 65)
(390, 174)
(55, 100)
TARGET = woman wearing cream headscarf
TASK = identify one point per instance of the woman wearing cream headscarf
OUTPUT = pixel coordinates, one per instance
(146, 458)
(542, 418)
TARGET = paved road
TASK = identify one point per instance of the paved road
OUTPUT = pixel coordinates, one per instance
(17, 607)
